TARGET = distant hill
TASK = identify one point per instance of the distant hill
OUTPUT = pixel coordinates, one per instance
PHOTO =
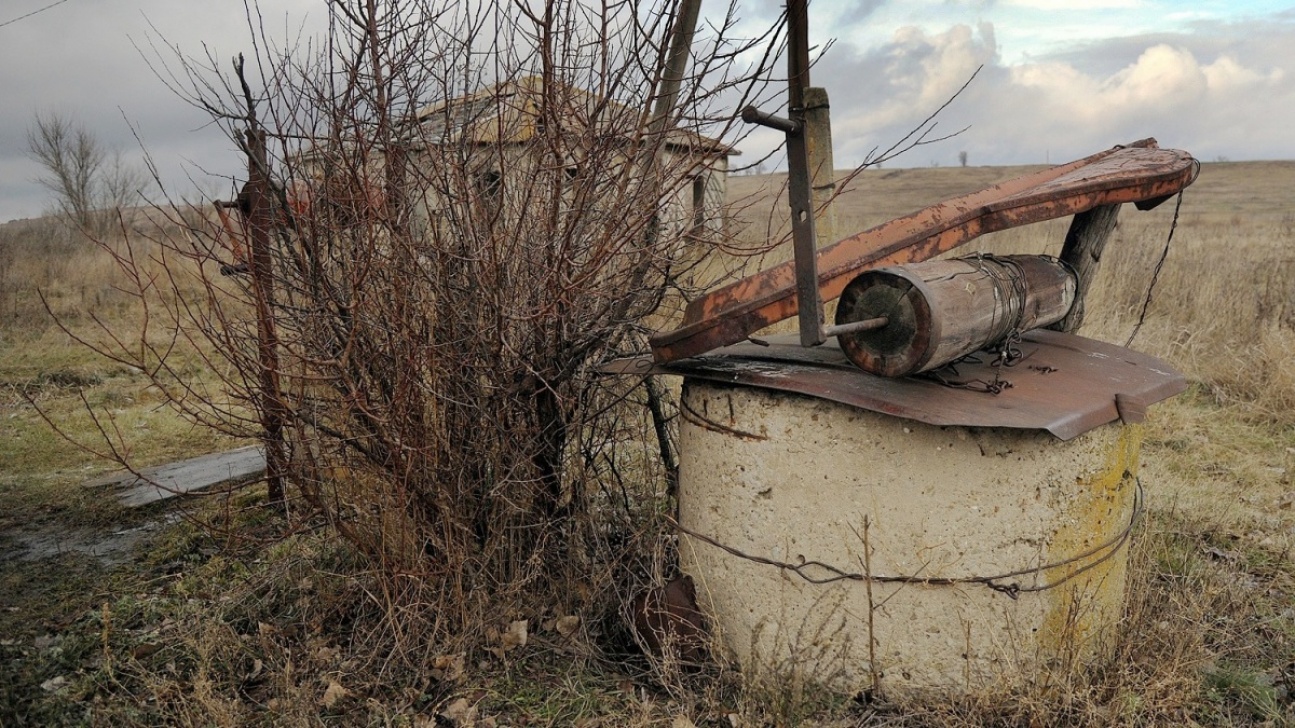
(1255, 190)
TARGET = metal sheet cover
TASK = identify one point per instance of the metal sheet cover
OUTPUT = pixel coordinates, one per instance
(1064, 384)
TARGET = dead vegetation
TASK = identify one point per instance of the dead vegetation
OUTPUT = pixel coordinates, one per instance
(514, 611)
(216, 625)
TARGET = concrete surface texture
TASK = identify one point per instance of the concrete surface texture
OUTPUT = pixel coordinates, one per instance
(185, 476)
(795, 479)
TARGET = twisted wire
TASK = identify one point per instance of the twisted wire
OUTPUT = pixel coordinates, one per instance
(997, 582)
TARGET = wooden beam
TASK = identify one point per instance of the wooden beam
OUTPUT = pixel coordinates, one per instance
(1082, 251)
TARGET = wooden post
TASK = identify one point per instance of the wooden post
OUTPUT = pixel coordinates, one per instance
(675, 62)
(260, 221)
(818, 138)
(1082, 251)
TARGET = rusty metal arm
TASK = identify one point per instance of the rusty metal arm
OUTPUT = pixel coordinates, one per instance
(1140, 173)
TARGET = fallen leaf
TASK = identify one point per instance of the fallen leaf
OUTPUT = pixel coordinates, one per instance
(460, 712)
(54, 684)
(733, 720)
(333, 693)
(327, 654)
(144, 649)
(515, 636)
(448, 668)
(1221, 555)
(681, 721)
(568, 625)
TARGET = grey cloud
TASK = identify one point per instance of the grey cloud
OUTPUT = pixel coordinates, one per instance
(863, 8)
(80, 59)
(1253, 43)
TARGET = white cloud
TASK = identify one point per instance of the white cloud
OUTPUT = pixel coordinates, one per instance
(1079, 5)
(1228, 92)
(1165, 89)
(916, 71)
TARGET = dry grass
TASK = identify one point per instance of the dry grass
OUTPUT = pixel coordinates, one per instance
(214, 631)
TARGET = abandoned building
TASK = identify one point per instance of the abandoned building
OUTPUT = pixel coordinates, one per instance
(505, 143)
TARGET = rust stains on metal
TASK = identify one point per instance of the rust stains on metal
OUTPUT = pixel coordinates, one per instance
(1099, 382)
(667, 618)
(1140, 173)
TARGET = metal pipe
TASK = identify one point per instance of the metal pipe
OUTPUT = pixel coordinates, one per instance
(752, 115)
(854, 326)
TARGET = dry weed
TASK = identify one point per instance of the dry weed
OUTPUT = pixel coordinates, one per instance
(261, 636)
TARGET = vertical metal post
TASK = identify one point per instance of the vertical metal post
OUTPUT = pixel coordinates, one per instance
(262, 272)
(799, 186)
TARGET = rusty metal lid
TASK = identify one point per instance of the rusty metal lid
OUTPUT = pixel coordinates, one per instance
(1063, 383)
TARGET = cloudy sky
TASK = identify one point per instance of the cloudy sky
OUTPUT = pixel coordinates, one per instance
(1060, 78)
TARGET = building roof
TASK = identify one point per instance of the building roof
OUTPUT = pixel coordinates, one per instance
(510, 113)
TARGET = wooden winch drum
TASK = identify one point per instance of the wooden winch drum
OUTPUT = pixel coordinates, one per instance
(940, 310)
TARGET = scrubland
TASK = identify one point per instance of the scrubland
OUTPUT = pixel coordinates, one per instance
(221, 619)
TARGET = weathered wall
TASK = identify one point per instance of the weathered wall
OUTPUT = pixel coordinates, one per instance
(516, 164)
(796, 479)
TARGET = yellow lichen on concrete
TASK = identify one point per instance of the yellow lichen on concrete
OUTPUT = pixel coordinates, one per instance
(1091, 550)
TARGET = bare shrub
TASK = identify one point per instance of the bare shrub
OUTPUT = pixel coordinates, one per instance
(471, 208)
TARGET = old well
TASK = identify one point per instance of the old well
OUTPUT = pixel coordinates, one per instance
(863, 550)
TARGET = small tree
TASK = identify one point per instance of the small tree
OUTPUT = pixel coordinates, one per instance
(962, 158)
(72, 159)
(472, 210)
(89, 182)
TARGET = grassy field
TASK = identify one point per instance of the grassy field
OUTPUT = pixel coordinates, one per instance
(199, 627)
